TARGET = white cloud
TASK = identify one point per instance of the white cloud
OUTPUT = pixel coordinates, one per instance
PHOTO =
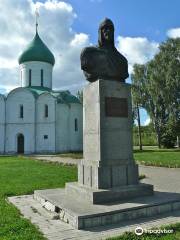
(137, 50)
(53, 5)
(79, 40)
(147, 121)
(56, 19)
(173, 33)
(13, 31)
(17, 29)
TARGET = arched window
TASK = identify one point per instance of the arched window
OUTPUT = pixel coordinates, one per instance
(42, 78)
(76, 125)
(29, 77)
(20, 143)
(46, 111)
(21, 111)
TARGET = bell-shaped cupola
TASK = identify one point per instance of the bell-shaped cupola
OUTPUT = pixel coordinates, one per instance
(36, 64)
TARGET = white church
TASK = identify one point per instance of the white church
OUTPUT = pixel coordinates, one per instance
(34, 118)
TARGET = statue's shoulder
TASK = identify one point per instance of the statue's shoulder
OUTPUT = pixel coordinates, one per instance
(123, 58)
(88, 51)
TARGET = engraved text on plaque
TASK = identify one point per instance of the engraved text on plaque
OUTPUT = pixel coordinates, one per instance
(116, 107)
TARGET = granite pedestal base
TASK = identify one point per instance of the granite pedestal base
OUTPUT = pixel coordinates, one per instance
(99, 196)
(81, 214)
(108, 172)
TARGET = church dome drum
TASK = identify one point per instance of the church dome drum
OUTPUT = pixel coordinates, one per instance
(36, 64)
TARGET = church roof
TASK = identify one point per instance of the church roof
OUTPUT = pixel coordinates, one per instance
(37, 51)
(2, 95)
(61, 96)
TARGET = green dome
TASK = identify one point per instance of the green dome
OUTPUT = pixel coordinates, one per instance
(37, 51)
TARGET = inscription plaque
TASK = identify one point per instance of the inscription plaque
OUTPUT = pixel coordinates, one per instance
(116, 107)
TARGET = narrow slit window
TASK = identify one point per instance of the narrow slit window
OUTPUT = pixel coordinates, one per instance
(21, 111)
(46, 111)
(76, 125)
(29, 77)
(21, 78)
(42, 78)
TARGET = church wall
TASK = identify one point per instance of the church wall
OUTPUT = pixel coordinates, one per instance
(67, 139)
(12, 132)
(62, 128)
(16, 98)
(76, 137)
(45, 126)
(17, 125)
(2, 123)
(2, 135)
(36, 67)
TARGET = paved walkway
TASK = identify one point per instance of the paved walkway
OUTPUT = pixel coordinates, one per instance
(57, 230)
(164, 179)
(54, 158)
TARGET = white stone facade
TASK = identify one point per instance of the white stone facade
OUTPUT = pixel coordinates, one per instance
(65, 128)
(16, 125)
(2, 123)
(45, 125)
(34, 118)
(42, 134)
(41, 74)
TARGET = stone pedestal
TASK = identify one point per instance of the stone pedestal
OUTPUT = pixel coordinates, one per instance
(108, 190)
(108, 148)
(108, 171)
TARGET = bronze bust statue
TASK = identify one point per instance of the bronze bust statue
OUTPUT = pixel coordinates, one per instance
(104, 61)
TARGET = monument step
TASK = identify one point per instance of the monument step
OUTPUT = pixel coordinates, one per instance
(98, 196)
(81, 214)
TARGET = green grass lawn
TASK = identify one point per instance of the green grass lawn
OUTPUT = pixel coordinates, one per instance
(160, 158)
(150, 155)
(20, 176)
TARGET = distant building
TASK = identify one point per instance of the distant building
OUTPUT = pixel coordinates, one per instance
(34, 118)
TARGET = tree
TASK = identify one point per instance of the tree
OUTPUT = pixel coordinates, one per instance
(157, 89)
(137, 94)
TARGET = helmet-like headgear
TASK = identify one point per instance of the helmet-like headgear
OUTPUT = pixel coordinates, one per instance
(105, 22)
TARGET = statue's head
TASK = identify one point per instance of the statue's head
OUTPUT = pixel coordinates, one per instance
(106, 33)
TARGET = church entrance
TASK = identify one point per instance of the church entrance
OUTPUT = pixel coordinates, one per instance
(20, 143)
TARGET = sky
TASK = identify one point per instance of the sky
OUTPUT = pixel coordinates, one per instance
(70, 25)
